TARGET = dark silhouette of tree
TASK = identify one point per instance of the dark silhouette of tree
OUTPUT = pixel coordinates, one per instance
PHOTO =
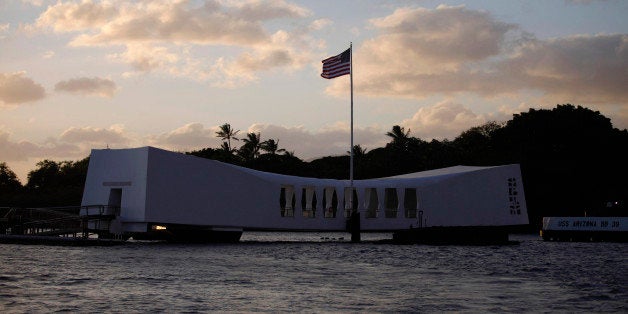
(358, 151)
(221, 154)
(225, 148)
(271, 146)
(10, 185)
(399, 137)
(226, 154)
(8, 180)
(208, 153)
(56, 183)
(226, 133)
(45, 176)
(251, 147)
(438, 154)
(475, 147)
(74, 173)
(283, 164)
(332, 167)
(360, 161)
(572, 159)
(403, 152)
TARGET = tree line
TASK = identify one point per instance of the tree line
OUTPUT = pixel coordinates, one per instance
(572, 160)
(51, 184)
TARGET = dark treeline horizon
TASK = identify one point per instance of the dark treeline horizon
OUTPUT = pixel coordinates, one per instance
(572, 161)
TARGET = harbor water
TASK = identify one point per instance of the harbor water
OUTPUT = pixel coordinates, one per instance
(309, 272)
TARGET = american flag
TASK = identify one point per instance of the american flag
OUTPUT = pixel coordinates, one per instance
(337, 65)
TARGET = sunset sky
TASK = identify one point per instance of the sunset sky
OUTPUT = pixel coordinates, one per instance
(77, 75)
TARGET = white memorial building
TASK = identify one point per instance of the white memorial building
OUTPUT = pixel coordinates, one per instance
(145, 191)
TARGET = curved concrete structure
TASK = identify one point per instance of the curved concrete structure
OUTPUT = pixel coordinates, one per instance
(154, 188)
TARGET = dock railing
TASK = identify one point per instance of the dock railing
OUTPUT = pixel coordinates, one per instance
(100, 210)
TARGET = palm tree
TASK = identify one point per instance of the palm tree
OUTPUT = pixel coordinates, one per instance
(225, 147)
(251, 147)
(226, 133)
(358, 151)
(271, 146)
(399, 136)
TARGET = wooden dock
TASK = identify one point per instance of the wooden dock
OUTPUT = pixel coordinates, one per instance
(52, 226)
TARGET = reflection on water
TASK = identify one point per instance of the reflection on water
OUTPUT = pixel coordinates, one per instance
(274, 272)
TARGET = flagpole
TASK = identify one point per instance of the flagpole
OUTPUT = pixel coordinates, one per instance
(351, 79)
(354, 225)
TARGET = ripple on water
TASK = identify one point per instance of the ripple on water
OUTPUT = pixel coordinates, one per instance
(297, 276)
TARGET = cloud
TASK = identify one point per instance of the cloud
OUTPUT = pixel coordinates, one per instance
(263, 60)
(214, 22)
(444, 35)
(188, 137)
(586, 68)
(20, 155)
(280, 53)
(88, 86)
(16, 88)
(4, 29)
(418, 52)
(331, 140)
(36, 3)
(24, 150)
(164, 36)
(71, 144)
(320, 24)
(445, 119)
(584, 2)
(48, 54)
(453, 51)
(72, 16)
(145, 57)
(175, 22)
(258, 10)
(95, 136)
(13, 151)
(620, 119)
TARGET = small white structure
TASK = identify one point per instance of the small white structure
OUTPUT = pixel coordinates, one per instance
(148, 188)
(585, 229)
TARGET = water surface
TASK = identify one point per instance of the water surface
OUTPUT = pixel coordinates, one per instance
(270, 272)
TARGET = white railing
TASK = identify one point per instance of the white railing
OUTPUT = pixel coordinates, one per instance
(100, 210)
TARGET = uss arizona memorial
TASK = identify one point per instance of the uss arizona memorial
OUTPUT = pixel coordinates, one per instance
(148, 192)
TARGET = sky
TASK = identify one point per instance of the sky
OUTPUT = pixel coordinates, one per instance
(82, 75)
